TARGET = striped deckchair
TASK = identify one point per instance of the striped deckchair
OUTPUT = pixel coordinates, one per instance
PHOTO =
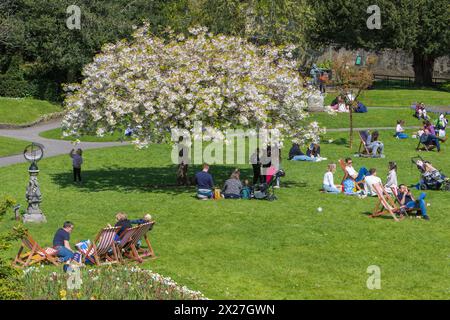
(129, 240)
(34, 254)
(102, 247)
(347, 176)
(385, 203)
(363, 150)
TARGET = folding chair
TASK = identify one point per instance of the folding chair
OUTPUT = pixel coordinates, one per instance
(347, 176)
(35, 253)
(129, 240)
(363, 150)
(426, 147)
(103, 246)
(386, 203)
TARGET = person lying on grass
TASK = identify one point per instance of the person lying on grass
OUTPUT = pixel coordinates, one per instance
(328, 180)
(312, 154)
(406, 198)
(233, 186)
(399, 131)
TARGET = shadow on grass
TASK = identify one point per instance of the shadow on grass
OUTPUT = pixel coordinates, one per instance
(156, 179)
(384, 216)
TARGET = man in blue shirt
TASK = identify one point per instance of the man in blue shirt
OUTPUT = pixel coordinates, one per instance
(205, 183)
(61, 242)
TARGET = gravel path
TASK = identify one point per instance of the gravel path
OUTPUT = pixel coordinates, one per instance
(51, 147)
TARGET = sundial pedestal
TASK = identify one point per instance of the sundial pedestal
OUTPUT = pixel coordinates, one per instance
(33, 195)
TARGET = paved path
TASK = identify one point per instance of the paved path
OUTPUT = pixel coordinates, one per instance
(51, 147)
(360, 129)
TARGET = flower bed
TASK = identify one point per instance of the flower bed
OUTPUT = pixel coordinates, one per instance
(105, 283)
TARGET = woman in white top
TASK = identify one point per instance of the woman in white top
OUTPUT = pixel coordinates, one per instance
(399, 131)
(328, 180)
(391, 182)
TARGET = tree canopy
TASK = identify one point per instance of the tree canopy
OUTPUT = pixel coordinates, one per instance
(417, 26)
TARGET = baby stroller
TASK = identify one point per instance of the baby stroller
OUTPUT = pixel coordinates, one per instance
(431, 178)
(265, 191)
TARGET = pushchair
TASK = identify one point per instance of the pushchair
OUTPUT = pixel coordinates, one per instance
(430, 177)
(266, 191)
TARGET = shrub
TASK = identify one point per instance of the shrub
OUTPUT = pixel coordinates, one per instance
(10, 282)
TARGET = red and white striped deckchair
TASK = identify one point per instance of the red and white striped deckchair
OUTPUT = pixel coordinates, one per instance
(385, 202)
(128, 243)
(102, 247)
(34, 254)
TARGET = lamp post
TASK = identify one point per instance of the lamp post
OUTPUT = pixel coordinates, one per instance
(33, 153)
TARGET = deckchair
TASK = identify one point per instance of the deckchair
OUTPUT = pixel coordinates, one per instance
(35, 254)
(128, 243)
(102, 247)
(385, 203)
(347, 176)
(363, 150)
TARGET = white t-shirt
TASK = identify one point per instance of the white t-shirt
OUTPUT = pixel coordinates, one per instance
(370, 181)
(328, 179)
(399, 128)
(352, 172)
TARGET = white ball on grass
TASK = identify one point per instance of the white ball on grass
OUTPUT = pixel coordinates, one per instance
(319, 209)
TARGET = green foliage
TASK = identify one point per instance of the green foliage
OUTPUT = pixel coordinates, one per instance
(105, 283)
(445, 86)
(10, 284)
(417, 26)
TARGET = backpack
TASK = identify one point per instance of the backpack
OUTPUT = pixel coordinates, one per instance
(349, 185)
(246, 193)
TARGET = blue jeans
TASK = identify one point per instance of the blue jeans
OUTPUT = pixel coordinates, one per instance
(401, 135)
(205, 192)
(363, 172)
(303, 158)
(375, 146)
(64, 253)
(433, 139)
(419, 204)
(331, 189)
(231, 196)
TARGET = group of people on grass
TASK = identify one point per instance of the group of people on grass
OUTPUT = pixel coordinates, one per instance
(61, 239)
(343, 104)
(365, 180)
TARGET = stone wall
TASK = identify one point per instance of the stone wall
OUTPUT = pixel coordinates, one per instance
(395, 62)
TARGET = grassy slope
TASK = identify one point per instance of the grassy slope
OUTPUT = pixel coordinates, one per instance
(57, 134)
(401, 97)
(21, 111)
(255, 249)
(10, 146)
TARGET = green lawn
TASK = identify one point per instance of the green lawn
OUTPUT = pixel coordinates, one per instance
(21, 111)
(57, 134)
(255, 249)
(400, 97)
(10, 146)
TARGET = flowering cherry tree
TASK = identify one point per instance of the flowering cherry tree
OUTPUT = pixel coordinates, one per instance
(156, 85)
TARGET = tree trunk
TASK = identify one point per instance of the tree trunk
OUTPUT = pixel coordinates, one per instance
(351, 126)
(423, 69)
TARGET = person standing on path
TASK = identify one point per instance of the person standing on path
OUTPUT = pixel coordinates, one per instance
(77, 161)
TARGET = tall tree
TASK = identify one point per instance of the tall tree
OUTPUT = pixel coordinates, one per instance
(416, 26)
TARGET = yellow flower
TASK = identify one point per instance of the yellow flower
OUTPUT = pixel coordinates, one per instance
(63, 293)
(78, 295)
(92, 298)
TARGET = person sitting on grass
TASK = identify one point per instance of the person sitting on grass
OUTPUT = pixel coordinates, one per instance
(421, 112)
(399, 131)
(428, 125)
(328, 180)
(373, 143)
(391, 182)
(205, 183)
(370, 180)
(441, 125)
(61, 242)
(406, 198)
(233, 186)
